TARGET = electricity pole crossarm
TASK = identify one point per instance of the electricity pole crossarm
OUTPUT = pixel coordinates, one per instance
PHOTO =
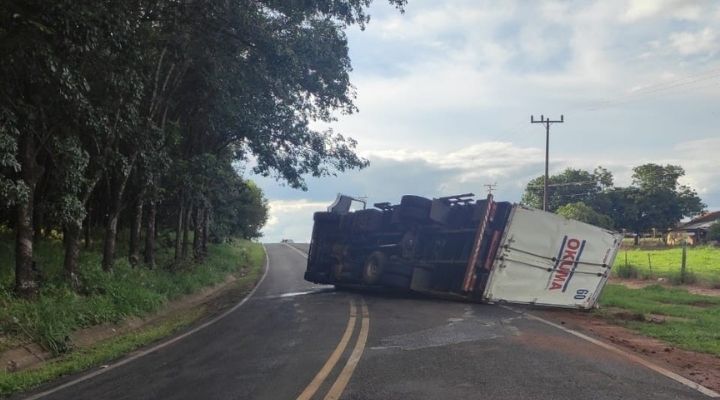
(547, 123)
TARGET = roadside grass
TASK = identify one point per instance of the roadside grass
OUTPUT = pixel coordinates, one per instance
(693, 323)
(703, 264)
(83, 359)
(108, 297)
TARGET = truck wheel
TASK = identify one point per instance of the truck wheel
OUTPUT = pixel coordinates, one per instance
(373, 268)
(416, 202)
(321, 216)
(338, 270)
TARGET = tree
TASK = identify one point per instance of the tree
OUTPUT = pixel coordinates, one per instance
(655, 200)
(120, 114)
(569, 186)
(581, 212)
(714, 232)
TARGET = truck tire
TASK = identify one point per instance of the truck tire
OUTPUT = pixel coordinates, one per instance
(368, 220)
(373, 268)
(340, 271)
(321, 216)
(415, 202)
(414, 208)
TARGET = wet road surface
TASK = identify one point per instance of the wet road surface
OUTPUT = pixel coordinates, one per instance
(293, 339)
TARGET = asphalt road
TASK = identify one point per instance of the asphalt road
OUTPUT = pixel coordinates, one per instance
(287, 341)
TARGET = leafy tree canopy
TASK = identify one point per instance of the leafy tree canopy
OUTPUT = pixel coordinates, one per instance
(583, 213)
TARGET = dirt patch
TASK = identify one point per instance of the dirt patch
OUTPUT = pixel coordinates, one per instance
(641, 283)
(210, 300)
(698, 367)
(562, 343)
(619, 314)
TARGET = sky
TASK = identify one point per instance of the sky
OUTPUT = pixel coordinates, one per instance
(445, 92)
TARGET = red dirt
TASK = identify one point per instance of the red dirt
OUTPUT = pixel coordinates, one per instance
(641, 283)
(698, 367)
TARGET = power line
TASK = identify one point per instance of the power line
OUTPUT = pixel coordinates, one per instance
(565, 184)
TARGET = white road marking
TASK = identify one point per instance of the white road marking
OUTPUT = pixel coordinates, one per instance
(159, 346)
(304, 254)
(680, 379)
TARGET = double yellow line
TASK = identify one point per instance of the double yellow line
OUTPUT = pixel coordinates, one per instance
(344, 377)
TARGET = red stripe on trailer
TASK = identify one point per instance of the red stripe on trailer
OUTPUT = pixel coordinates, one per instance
(493, 250)
(469, 280)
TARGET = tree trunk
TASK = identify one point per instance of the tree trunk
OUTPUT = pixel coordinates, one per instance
(179, 232)
(110, 236)
(38, 221)
(25, 283)
(88, 221)
(135, 229)
(637, 238)
(117, 189)
(72, 232)
(150, 235)
(109, 241)
(71, 240)
(197, 246)
(205, 231)
(186, 233)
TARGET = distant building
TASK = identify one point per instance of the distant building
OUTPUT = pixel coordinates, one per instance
(694, 231)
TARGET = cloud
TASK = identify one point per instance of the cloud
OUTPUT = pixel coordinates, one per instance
(677, 9)
(445, 92)
(291, 219)
(432, 174)
(705, 42)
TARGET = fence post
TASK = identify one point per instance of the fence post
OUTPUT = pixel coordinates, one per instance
(683, 266)
(626, 259)
(650, 265)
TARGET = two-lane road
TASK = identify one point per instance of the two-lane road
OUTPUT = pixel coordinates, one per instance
(292, 339)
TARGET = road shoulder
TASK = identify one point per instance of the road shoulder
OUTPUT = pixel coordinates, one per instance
(701, 368)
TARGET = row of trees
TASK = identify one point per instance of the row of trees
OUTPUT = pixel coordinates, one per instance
(655, 199)
(140, 111)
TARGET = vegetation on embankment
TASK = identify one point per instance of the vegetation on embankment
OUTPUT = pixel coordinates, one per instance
(110, 297)
(702, 264)
(674, 315)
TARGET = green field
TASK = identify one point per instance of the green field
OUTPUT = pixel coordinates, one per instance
(703, 264)
(692, 323)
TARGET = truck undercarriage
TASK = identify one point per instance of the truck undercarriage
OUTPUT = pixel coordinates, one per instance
(420, 244)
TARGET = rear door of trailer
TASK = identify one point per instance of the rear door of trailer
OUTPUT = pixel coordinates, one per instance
(547, 259)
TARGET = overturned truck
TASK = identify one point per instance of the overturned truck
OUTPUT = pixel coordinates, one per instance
(457, 246)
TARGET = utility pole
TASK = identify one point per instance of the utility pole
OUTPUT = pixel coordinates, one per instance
(547, 123)
(490, 187)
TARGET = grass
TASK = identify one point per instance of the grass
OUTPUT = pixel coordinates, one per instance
(703, 264)
(694, 322)
(85, 358)
(106, 298)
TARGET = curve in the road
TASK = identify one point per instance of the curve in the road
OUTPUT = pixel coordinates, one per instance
(158, 346)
